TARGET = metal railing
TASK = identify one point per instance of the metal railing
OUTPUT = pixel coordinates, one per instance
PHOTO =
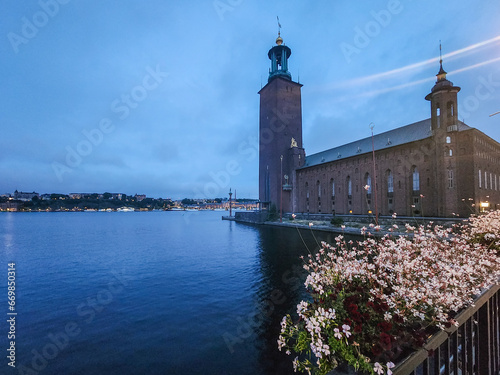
(471, 348)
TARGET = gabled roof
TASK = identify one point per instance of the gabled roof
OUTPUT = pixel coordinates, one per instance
(396, 137)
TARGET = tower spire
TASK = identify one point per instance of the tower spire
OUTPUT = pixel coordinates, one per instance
(441, 76)
(279, 40)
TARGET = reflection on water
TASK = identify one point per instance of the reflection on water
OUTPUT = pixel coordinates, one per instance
(200, 295)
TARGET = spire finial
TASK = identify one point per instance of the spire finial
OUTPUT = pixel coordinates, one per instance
(442, 73)
(440, 54)
(279, 40)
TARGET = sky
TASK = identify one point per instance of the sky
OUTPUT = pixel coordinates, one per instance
(161, 97)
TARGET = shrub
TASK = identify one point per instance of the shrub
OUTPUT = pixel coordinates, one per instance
(337, 221)
(372, 302)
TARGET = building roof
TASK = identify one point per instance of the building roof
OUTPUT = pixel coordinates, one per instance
(396, 137)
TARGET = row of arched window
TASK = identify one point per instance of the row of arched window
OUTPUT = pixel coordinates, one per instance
(368, 183)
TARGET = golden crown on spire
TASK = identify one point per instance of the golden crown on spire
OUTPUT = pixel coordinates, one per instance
(279, 40)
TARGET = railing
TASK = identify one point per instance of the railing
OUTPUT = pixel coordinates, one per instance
(471, 348)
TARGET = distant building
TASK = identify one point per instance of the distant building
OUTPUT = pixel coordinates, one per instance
(11, 206)
(139, 197)
(22, 196)
(435, 167)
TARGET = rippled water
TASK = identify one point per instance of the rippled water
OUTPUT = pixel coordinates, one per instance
(149, 292)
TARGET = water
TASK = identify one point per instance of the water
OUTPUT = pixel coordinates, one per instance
(148, 292)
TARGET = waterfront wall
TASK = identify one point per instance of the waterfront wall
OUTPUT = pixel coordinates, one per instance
(254, 217)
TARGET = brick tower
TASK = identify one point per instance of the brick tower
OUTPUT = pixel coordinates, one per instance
(445, 127)
(280, 133)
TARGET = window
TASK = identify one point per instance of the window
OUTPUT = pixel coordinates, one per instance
(450, 178)
(451, 110)
(480, 179)
(349, 186)
(438, 116)
(448, 139)
(333, 187)
(390, 182)
(491, 181)
(368, 185)
(416, 179)
(485, 180)
(450, 152)
(318, 184)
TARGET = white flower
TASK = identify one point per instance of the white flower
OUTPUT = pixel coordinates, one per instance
(337, 333)
(377, 367)
(389, 366)
(295, 364)
(346, 329)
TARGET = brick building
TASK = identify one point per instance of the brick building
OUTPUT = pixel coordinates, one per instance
(435, 167)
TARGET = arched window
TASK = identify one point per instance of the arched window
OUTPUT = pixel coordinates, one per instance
(349, 186)
(415, 180)
(438, 116)
(368, 184)
(451, 109)
(390, 182)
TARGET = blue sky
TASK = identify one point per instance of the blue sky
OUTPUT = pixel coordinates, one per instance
(160, 97)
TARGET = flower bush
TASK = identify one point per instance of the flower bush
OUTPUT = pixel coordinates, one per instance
(373, 302)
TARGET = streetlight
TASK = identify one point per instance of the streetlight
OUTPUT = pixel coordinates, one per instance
(281, 188)
(374, 183)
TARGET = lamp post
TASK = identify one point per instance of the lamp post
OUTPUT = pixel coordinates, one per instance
(230, 194)
(281, 188)
(374, 183)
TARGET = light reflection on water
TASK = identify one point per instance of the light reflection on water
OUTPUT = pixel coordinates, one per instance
(152, 292)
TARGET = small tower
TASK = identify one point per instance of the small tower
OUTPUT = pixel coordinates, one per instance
(280, 132)
(444, 126)
(443, 98)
